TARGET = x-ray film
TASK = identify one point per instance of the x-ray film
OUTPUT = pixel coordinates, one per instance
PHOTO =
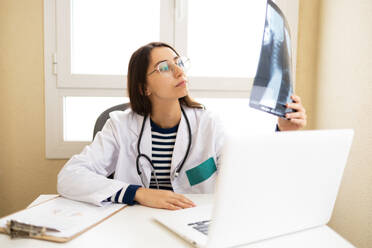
(273, 86)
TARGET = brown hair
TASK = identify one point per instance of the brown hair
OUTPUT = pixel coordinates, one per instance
(137, 72)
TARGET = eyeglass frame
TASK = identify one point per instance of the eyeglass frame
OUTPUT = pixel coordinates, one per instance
(172, 65)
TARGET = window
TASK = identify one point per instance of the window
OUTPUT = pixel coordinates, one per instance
(88, 44)
(78, 127)
(219, 59)
(101, 46)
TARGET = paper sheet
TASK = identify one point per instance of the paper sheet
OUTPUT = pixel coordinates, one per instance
(67, 216)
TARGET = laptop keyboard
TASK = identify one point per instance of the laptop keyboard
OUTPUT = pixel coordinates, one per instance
(201, 226)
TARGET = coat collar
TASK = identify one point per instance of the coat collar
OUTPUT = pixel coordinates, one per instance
(137, 121)
(135, 126)
(183, 138)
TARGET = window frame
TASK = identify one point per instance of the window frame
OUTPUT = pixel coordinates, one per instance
(60, 83)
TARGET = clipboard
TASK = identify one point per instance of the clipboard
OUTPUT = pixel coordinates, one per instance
(70, 218)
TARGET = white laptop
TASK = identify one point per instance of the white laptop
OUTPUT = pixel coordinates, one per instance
(268, 185)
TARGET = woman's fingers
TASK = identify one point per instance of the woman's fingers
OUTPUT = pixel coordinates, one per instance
(295, 120)
(296, 98)
(296, 106)
(185, 200)
(173, 201)
(181, 201)
(162, 199)
(171, 206)
(178, 203)
(296, 115)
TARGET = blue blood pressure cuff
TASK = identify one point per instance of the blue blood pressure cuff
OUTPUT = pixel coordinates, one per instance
(201, 172)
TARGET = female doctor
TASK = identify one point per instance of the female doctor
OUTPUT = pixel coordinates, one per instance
(165, 145)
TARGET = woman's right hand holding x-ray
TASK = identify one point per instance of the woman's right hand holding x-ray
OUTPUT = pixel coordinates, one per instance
(165, 199)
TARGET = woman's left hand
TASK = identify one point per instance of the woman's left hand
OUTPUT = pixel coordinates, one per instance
(297, 119)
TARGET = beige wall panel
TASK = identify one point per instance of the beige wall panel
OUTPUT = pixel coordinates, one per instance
(306, 81)
(344, 100)
(24, 171)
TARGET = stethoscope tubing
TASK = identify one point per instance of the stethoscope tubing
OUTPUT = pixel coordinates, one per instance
(149, 159)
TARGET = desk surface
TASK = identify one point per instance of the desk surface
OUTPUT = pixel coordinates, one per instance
(135, 227)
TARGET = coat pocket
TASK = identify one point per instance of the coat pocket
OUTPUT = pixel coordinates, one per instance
(201, 172)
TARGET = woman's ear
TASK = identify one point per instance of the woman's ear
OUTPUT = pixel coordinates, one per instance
(147, 91)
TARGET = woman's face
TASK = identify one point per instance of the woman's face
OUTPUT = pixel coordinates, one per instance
(165, 85)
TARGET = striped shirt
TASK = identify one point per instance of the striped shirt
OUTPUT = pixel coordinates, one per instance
(126, 197)
(163, 140)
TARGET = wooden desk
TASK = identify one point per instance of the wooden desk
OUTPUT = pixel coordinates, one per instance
(135, 227)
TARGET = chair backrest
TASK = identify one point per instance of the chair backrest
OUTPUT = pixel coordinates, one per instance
(101, 120)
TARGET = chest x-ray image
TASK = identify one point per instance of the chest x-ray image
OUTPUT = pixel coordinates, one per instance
(272, 86)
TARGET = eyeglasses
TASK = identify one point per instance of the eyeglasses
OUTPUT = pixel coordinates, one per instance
(167, 66)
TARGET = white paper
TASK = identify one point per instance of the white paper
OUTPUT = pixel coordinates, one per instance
(67, 216)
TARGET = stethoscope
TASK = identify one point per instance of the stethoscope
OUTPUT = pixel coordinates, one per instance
(149, 160)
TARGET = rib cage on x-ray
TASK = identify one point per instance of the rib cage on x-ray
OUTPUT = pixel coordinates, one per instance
(272, 86)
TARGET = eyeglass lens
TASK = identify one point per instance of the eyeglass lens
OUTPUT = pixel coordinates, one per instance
(165, 66)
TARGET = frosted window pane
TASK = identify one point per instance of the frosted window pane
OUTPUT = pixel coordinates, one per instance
(236, 113)
(224, 37)
(104, 34)
(81, 113)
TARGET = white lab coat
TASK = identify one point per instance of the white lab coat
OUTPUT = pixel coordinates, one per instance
(84, 176)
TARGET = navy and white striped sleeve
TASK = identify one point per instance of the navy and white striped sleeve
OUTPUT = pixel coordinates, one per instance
(126, 197)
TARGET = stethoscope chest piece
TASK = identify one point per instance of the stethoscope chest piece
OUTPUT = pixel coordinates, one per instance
(149, 159)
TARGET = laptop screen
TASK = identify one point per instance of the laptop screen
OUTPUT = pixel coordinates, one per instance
(272, 85)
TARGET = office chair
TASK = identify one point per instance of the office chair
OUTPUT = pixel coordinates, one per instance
(102, 118)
